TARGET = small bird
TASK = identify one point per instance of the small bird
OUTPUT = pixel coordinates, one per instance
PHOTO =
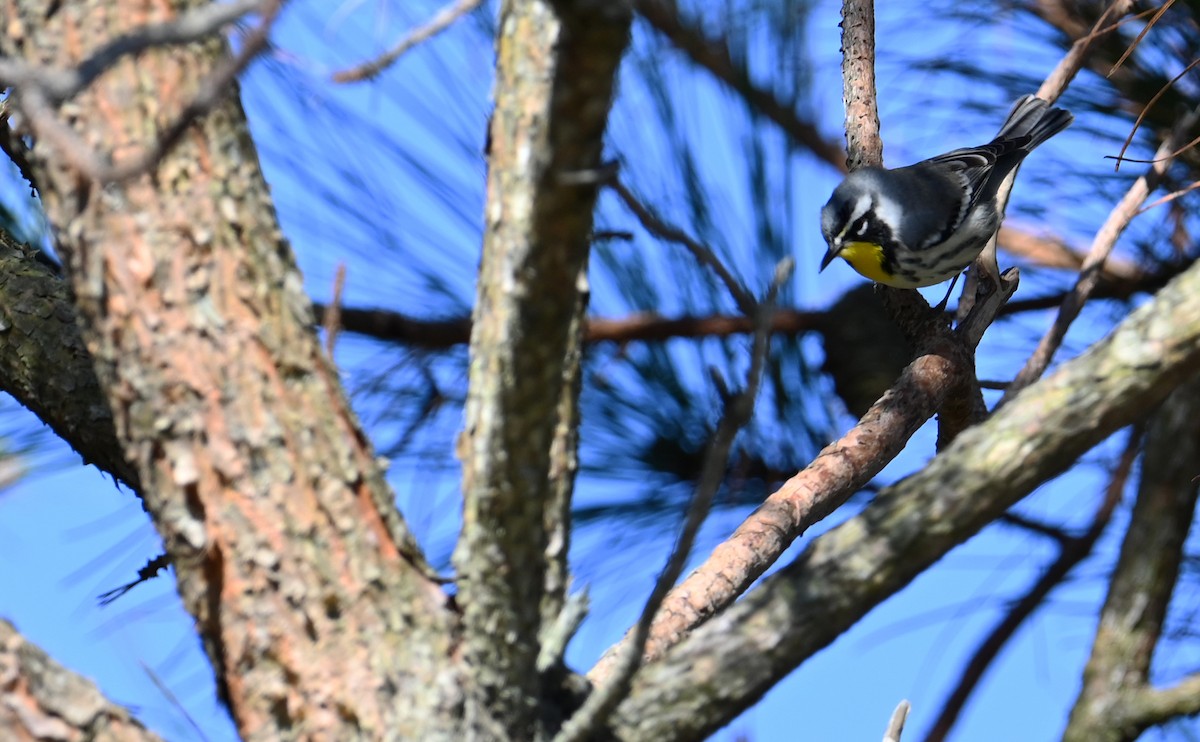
(922, 224)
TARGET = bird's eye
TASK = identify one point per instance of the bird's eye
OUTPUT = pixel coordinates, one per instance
(862, 228)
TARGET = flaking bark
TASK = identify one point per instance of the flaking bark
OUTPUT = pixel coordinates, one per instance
(306, 588)
(42, 700)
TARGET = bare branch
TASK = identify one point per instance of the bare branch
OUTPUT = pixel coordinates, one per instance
(1106, 239)
(729, 663)
(863, 142)
(332, 320)
(1116, 702)
(1058, 80)
(41, 699)
(703, 254)
(1120, 157)
(896, 724)
(440, 22)
(1148, 707)
(555, 82)
(839, 471)
(1158, 13)
(738, 411)
(1054, 252)
(45, 365)
(1073, 551)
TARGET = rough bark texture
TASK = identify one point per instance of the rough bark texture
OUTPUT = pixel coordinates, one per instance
(289, 552)
(726, 665)
(564, 465)
(556, 64)
(44, 364)
(1114, 703)
(863, 142)
(42, 700)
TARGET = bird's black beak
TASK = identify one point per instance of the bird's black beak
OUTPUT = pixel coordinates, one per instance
(829, 256)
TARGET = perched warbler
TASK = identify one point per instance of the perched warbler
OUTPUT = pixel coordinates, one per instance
(922, 224)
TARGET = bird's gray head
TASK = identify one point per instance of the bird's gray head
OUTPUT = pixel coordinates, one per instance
(856, 211)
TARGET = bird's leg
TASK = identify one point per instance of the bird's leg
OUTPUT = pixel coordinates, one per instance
(941, 307)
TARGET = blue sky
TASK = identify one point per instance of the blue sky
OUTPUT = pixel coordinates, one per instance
(365, 175)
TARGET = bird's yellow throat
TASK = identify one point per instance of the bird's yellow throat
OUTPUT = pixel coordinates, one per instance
(867, 259)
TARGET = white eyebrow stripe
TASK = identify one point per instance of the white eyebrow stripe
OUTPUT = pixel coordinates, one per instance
(888, 211)
(861, 206)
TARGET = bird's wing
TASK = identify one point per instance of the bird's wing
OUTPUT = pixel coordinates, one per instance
(972, 166)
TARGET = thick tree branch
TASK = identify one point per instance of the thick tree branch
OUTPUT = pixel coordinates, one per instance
(256, 473)
(61, 84)
(42, 700)
(45, 366)
(839, 471)
(556, 64)
(41, 120)
(730, 662)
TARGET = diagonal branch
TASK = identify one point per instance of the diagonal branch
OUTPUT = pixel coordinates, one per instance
(1073, 550)
(440, 22)
(728, 664)
(45, 365)
(703, 255)
(1116, 702)
(738, 411)
(1102, 245)
(840, 470)
(41, 699)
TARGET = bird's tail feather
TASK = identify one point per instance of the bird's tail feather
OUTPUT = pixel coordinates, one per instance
(1033, 117)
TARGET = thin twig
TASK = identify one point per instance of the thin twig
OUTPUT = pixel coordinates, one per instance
(437, 334)
(1145, 110)
(1141, 35)
(1169, 197)
(333, 316)
(440, 22)
(1054, 533)
(987, 264)
(738, 411)
(1073, 550)
(1103, 244)
(1058, 80)
(145, 574)
(654, 225)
